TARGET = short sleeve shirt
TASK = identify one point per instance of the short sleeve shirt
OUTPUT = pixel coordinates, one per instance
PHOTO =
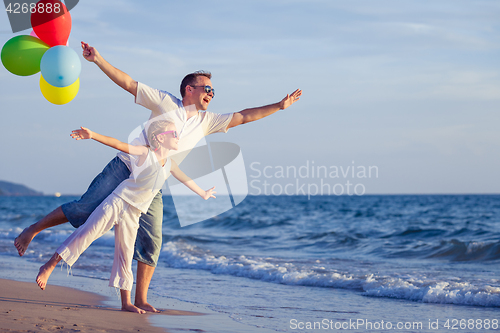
(191, 131)
(144, 182)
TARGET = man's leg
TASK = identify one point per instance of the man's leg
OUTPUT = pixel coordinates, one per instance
(56, 217)
(147, 251)
(77, 212)
(127, 303)
(144, 276)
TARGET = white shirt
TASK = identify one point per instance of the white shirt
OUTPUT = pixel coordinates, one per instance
(191, 131)
(144, 183)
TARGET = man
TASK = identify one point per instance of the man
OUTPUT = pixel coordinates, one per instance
(197, 92)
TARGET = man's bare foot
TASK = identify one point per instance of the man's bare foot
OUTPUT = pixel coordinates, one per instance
(24, 239)
(44, 274)
(132, 308)
(148, 307)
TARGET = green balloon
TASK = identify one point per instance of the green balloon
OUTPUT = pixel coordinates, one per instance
(21, 55)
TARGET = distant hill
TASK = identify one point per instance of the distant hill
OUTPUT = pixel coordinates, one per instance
(11, 189)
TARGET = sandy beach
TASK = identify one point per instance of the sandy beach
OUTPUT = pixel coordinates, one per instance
(26, 308)
(94, 307)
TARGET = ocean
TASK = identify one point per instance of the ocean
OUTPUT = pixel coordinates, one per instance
(400, 263)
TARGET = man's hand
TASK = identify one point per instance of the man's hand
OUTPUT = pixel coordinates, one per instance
(117, 76)
(253, 114)
(290, 99)
(83, 133)
(89, 52)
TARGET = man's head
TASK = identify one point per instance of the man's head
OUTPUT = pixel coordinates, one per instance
(193, 89)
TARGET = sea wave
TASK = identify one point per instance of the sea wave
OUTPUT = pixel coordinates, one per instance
(452, 250)
(433, 291)
(411, 286)
(456, 250)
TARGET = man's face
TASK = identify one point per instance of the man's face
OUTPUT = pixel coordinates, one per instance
(199, 97)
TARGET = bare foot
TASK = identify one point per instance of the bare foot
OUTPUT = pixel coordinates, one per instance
(148, 307)
(132, 308)
(44, 274)
(23, 240)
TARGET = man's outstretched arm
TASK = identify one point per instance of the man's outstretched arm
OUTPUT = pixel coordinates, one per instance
(117, 76)
(253, 114)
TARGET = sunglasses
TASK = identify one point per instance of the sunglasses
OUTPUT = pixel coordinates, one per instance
(175, 133)
(208, 89)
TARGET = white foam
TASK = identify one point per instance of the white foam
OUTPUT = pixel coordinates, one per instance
(437, 291)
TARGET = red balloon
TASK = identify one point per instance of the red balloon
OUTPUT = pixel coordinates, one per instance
(51, 22)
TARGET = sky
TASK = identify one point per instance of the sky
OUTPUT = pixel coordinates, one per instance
(409, 90)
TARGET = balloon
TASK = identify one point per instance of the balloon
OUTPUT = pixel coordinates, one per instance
(60, 66)
(21, 55)
(33, 33)
(57, 95)
(52, 26)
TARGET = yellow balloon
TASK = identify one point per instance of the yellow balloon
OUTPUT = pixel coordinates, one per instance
(58, 95)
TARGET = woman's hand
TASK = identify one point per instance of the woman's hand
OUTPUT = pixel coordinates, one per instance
(83, 133)
(209, 194)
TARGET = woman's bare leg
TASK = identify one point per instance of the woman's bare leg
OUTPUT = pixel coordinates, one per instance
(46, 270)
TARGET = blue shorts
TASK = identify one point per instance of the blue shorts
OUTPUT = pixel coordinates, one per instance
(149, 235)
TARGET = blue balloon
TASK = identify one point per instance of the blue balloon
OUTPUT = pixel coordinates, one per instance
(60, 66)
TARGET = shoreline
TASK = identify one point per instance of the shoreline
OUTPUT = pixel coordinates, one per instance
(93, 306)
